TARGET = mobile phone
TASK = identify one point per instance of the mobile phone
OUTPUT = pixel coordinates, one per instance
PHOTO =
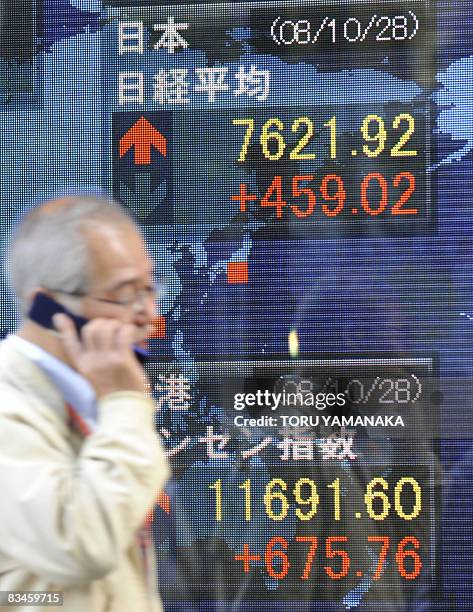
(44, 308)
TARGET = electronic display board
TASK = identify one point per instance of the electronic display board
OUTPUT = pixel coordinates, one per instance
(302, 173)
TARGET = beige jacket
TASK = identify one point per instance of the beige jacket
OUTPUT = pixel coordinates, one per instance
(70, 507)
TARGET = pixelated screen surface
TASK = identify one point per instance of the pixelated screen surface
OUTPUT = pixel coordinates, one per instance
(302, 174)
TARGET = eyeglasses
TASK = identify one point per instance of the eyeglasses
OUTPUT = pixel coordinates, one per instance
(137, 300)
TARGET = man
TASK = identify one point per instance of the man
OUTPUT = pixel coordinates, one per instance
(80, 462)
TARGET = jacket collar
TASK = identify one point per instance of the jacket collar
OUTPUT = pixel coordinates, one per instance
(74, 388)
(21, 373)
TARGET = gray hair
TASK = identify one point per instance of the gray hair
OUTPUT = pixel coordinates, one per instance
(49, 247)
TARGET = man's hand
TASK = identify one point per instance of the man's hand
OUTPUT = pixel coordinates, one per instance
(103, 354)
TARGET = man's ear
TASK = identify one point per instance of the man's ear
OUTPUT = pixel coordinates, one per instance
(34, 292)
(29, 301)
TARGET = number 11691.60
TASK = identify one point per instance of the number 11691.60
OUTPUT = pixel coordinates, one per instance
(405, 502)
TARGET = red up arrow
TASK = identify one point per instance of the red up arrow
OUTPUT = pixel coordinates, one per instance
(142, 135)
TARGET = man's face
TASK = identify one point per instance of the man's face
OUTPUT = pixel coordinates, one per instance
(122, 271)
